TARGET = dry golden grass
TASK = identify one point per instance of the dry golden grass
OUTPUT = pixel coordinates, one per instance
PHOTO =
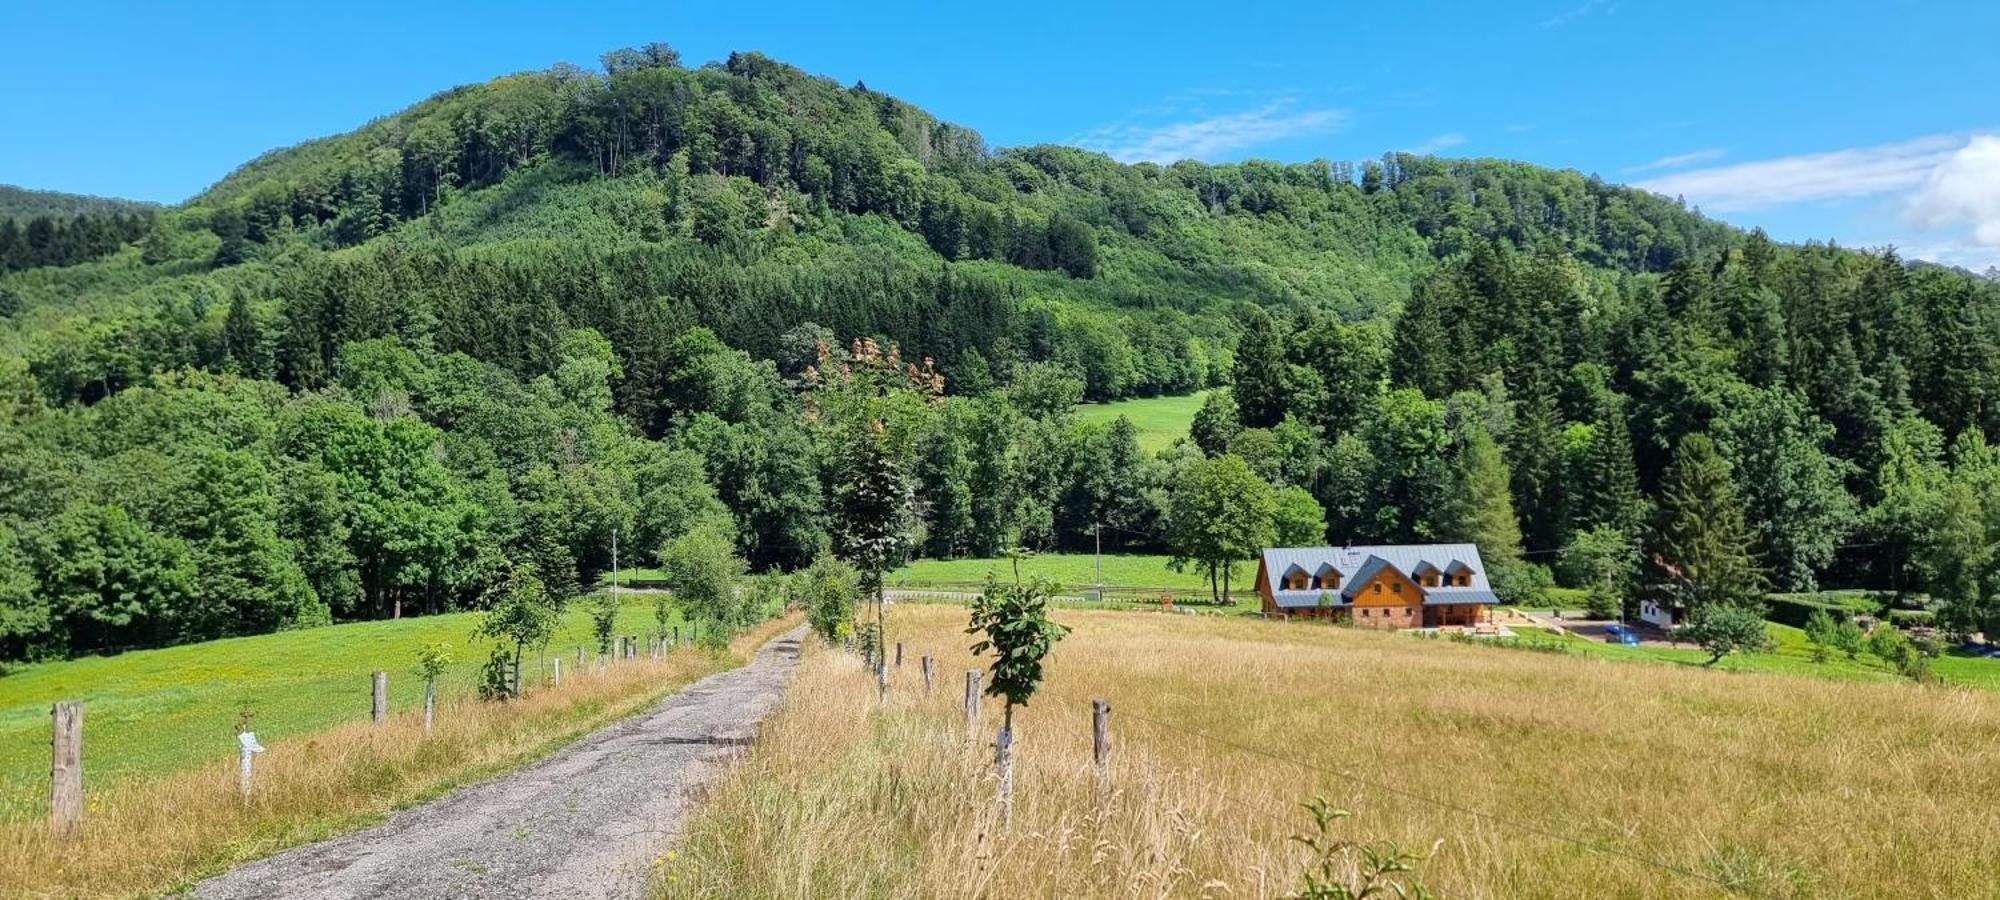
(158, 834)
(1776, 785)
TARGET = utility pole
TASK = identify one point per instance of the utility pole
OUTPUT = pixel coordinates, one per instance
(1097, 529)
(614, 568)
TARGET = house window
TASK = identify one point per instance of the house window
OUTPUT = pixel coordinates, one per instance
(1396, 588)
(1378, 587)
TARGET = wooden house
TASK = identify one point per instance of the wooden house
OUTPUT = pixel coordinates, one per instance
(1382, 586)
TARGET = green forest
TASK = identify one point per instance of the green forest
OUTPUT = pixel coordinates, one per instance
(369, 375)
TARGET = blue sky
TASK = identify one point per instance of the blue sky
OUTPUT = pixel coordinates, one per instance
(1869, 123)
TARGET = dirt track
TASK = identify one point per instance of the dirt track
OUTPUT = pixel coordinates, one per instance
(585, 822)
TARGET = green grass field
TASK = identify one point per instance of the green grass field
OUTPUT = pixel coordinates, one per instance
(154, 711)
(1160, 420)
(1791, 654)
(1128, 577)
(1075, 571)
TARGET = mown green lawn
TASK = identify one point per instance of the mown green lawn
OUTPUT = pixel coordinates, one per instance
(1128, 577)
(1160, 420)
(1791, 654)
(1075, 571)
(153, 711)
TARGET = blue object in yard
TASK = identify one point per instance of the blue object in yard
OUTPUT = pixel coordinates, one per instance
(1621, 634)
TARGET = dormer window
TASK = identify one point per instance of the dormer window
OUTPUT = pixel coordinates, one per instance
(1295, 579)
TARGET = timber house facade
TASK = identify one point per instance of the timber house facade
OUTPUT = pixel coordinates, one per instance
(1384, 586)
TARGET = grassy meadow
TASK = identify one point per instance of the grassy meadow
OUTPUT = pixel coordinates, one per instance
(159, 833)
(1074, 571)
(151, 712)
(1769, 784)
(1159, 420)
(1790, 653)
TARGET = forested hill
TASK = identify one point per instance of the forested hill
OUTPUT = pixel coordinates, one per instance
(756, 196)
(21, 204)
(366, 372)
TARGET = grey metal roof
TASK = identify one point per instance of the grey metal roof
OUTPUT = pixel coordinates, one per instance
(1357, 564)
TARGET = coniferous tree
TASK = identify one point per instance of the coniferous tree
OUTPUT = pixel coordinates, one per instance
(1535, 457)
(1607, 494)
(1482, 507)
(1699, 555)
(1259, 377)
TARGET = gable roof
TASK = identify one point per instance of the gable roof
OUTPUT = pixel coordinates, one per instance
(1359, 564)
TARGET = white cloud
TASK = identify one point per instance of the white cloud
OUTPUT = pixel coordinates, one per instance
(1578, 12)
(1437, 143)
(1209, 137)
(1938, 195)
(1963, 191)
(1678, 161)
(1839, 174)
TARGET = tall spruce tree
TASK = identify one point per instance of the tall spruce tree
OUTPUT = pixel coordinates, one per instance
(1482, 508)
(1607, 493)
(1259, 387)
(1700, 550)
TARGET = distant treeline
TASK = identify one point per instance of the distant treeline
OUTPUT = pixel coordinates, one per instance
(67, 240)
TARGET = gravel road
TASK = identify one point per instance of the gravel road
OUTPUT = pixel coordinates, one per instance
(585, 822)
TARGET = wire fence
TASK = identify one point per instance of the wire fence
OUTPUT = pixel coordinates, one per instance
(1262, 809)
(1503, 821)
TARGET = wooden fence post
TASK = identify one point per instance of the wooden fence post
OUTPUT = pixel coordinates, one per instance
(971, 703)
(899, 654)
(66, 769)
(1100, 742)
(381, 692)
(927, 673)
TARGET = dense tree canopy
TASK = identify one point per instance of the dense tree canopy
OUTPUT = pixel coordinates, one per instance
(373, 374)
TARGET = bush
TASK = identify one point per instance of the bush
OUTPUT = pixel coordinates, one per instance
(1722, 629)
(1821, 631)
(1849, 637)
(496, 676)
(1896, 651)
(829, 590)
(1523, 584)
(603, 620)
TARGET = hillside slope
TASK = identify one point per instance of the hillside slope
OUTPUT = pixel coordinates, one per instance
(758, 196)
(365, 376)
(26, 203)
